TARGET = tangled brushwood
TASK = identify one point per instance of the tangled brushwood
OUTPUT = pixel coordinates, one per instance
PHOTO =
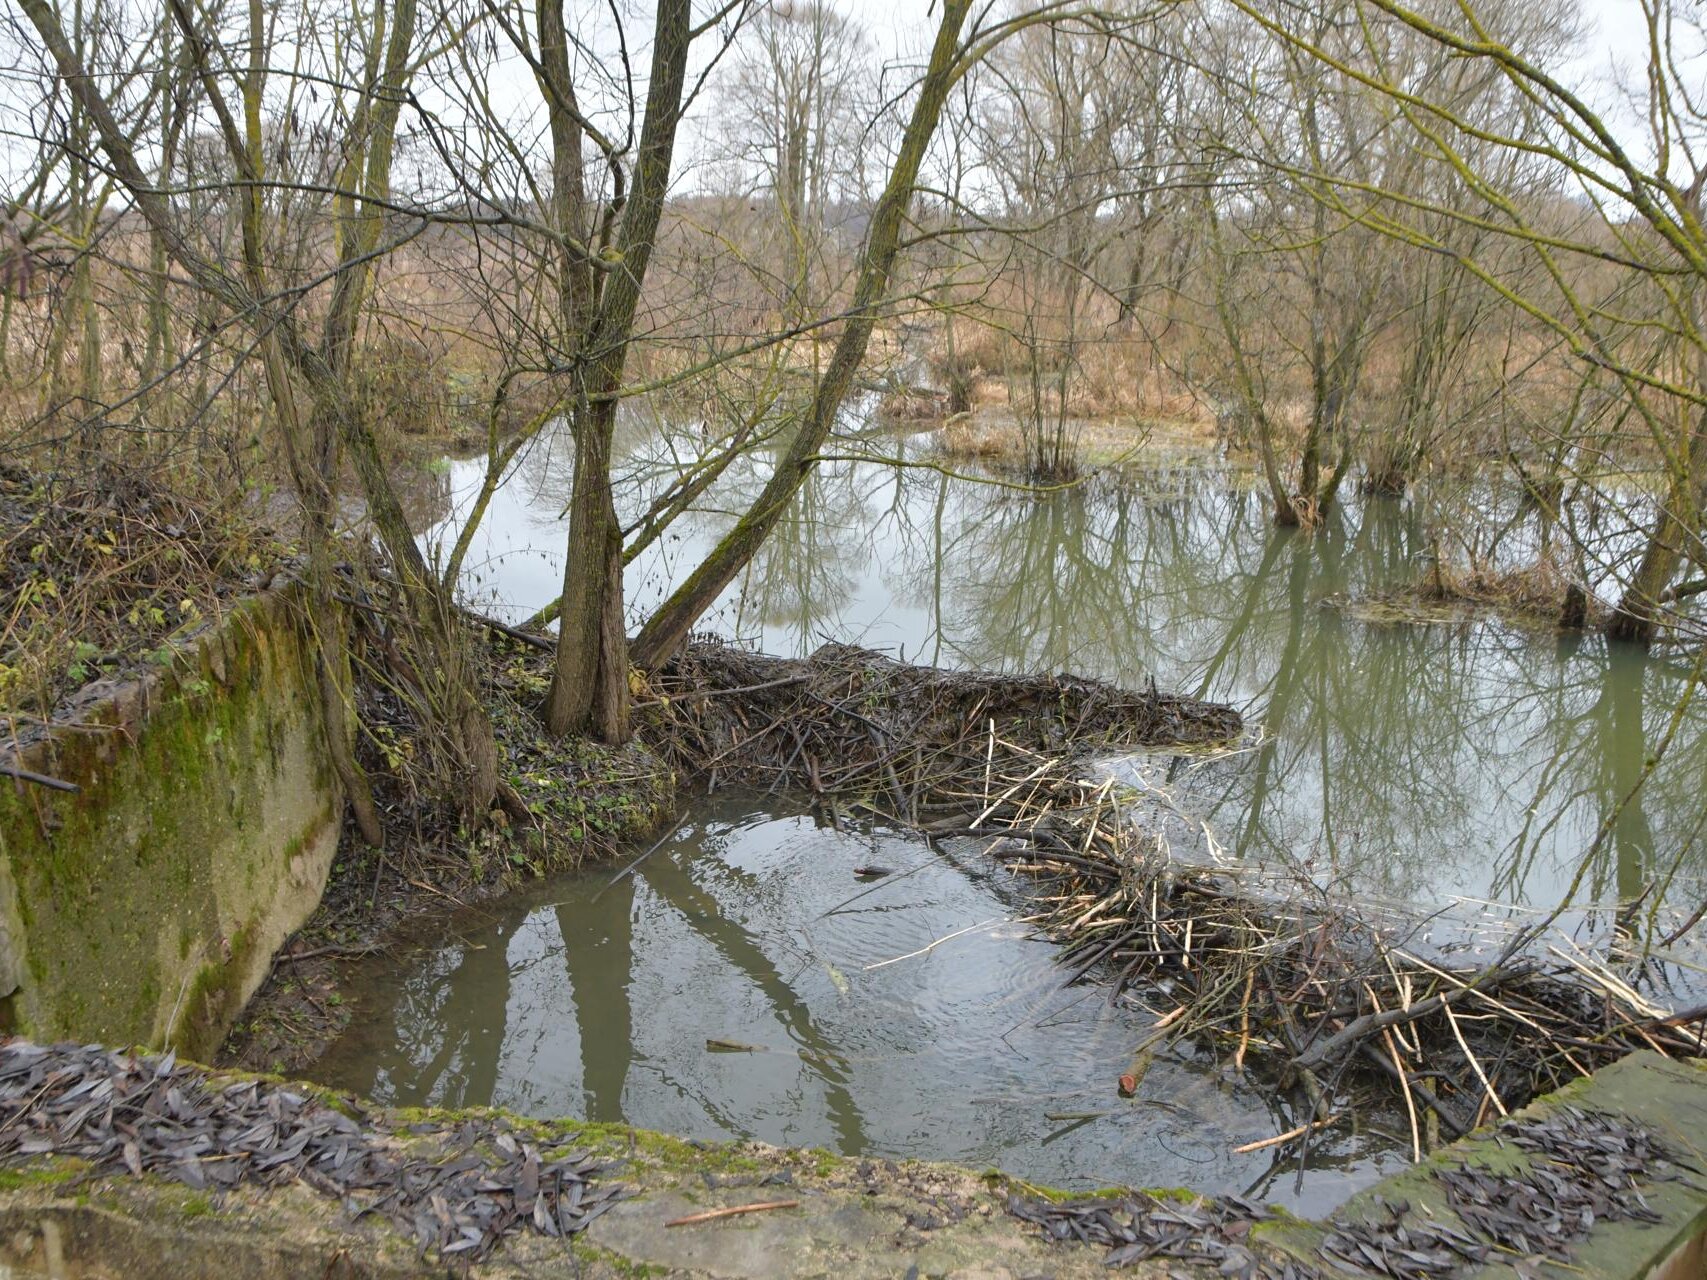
(102, 573)
(1276, 977)
(910, 740)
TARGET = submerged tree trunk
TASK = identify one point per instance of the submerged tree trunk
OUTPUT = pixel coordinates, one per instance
(1675, 524)
(1678, 521)
(665, 631)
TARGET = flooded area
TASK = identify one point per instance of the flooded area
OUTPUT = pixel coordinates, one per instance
(1468, 757)
(746, 982)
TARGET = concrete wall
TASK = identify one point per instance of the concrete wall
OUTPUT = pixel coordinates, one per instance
(145, 907)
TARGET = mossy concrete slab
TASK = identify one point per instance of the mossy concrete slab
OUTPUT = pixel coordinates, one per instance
(881, 1234)
(144, 907)
(1665, 1096)
(854, 1220)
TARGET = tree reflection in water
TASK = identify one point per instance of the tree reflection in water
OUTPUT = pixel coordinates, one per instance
(1467, 757)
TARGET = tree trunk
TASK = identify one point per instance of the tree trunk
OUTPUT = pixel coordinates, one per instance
(665, 631)
(589, 685)
(1678, 520)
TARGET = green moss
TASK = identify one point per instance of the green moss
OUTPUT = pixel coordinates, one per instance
(122, 884)
(824, 1163)
(196, 1206)
(590, 1254)
(660, 1151)
(52, 1171)
(996, 1179)
(211, 999)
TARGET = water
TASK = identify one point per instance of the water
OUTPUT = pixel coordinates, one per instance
(1414, 762)
(597, 999)
(1468, 759)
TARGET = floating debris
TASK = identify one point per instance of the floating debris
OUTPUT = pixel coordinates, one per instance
(1137, 1228)
(137, 1114)
(716, 1045)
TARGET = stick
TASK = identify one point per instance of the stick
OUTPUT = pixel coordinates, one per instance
(291, 957)
(982, 924)
(422, 884)
(711, 1215)
(881, 884)
(751, 688)
(1405, 1088)
(1245, 1026)
(40, 779)
(1262, 1144)
(1321, 1052)
(629, 869)
(1476, 1066)
(543, 643)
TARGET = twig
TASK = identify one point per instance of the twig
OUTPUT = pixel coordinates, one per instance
(1279, 1139)
(290, 957)
(711, 1215)
(1475, 1064)
(781, 683)
(543, 643)
(629, 869)
(40, 779)
(982, 924)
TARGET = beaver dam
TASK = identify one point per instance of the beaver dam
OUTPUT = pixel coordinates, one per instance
(916, 913)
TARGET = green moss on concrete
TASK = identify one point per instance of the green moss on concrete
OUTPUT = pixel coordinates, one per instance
(592, 1256)
(50, 1171)
(197, 1206)
(142, 901)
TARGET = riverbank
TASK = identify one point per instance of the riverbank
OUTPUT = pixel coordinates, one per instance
(1332, 1009)
(586, 801)
(185, 1173)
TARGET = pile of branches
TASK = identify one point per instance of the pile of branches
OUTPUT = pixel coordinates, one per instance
(910, 740)
(1325, 1002)
(1321, 998)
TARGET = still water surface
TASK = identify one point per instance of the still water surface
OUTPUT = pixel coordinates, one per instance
(1413, 763)
(598, 1000)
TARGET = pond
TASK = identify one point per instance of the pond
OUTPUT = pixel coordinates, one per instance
(744, 983)
(1447, 765)
(1468, 757)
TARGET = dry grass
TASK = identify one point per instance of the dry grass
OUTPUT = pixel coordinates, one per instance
(994, 439)
(102, 573)
(1541, 589)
